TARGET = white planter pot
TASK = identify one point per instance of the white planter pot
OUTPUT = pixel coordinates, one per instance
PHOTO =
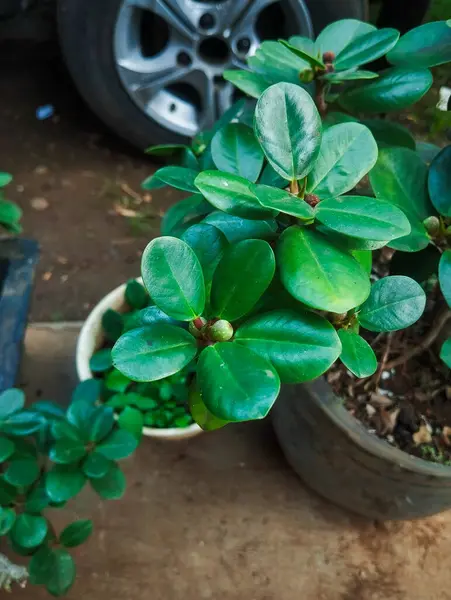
(91, 339)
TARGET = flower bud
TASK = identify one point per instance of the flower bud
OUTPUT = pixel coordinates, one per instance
(432, 225)
(306, 76)
(221, 331)
(328, 57)
(194, 329)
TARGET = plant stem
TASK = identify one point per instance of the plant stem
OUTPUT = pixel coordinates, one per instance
(442, 317)
(385, 356)
(294, 187)
(319, 98)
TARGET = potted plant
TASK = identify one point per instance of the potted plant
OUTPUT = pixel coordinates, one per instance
(156, 409)
(269, 259)
(48, 455)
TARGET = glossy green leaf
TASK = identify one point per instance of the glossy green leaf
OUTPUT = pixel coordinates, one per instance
(115, 381)
(64, 482)
(277, 64)
(237, 229)
(338, 35)
(96, 466)
(427, 151)
(29, 531)
(121, 443)
(306, 260)
(7, 448)
(166, 149)
(112, 485)
(40, 567)
(62, 430)
(154, 352)
(11, 401)
(147, 316)
(349, 75)
(389, 133)
(425, 46)
(303, 43)
(100, 361)
(7, 519)
(37, 499)
(101, 423)
(365, 258)
(200, 413)
(231, 194)
(235, 150)
(173, 277)
(235, 383)
(444, 275)
(209, 244)
(177, 177)
(269, 177)
(399, 177)
(76, 533)
(366, 48)
(250, 83)
(21, 472)
(10, 213)
(395, 89)
(63, 572)
(348, 151)
(241, 277)
(80, 415)
(50, 410)
(445, 352)
(5, 179)
(112, 324)
(312, 60)
(361, 217)
(439, 181)
(395, 302)
(135, 295)
(288, 127)
(357, 355)
(88, 390)
(182, 213)
(283, 201)
(22, 423)
(300, 345)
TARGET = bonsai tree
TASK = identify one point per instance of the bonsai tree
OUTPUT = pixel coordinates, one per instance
(48, 455)
(10, 213)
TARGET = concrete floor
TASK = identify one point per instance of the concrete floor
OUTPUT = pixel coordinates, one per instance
(222, 517)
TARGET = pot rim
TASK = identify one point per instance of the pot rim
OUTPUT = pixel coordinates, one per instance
(90, 338)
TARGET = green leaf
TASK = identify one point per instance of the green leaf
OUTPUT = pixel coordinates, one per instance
(7, 448)
(5, 179)
(399, 177)
(301, 53)
(76, 533)
(366, 48)
(235, 150)
(29, 531)
(426, 151)
(336, 118)
(37, 499)
(22, 423)
(361, 217)
(62, 430)
(439, 181)
(208, 243)
(136, 295)
(389, 133)
(395, 89)
(288, 127)
(112, 485)
(80, 415)
(112, 324)
(131, 420)
(395, 302)
(22, 472)
(96, 466)
(50, 410)
(177, 177)
(122, 442)
(365, 258)
(270, 177)
(229, 115)
(100, 361)
(303, 43)
(306, 260)
(241, 277)
(40, 567)
(144, 403)
(445, 352)
(349, 75)
(166, 149)
(7, 519)
(154, 352)
(173, 276)
(115, 381)
(444, 275)
(101, 423)
(338, 35)
(64, 482)
(348, 151)
(10, 213)
(11, 401)
(236, 229)
(425, 46)
(147, 316)
(300, 345)
(235, 383)
(231, 194)
(283, 201)
(88, 390)
(357, 355)
(200, 413)
(63, 572)
(250, 83)
(276, 63)
(183, 212)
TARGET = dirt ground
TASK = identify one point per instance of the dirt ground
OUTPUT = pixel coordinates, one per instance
(68, 171)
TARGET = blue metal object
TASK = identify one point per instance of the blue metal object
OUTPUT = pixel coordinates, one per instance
(18, 259)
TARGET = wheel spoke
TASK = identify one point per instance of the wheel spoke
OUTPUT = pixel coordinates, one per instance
(244, 22)
(172, 11)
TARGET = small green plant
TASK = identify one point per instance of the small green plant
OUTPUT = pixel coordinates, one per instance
(158, 404)
(48, 455)
(10, 213)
